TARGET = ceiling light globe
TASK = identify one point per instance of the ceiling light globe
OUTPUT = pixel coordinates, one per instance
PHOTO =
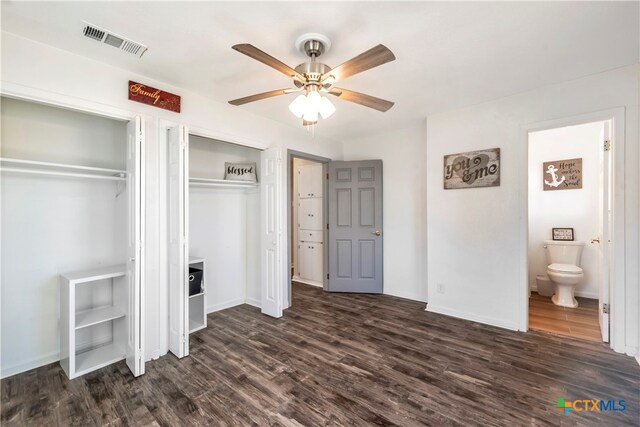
(326, 108)
(310, 116)
(298, 106)
(313, 101)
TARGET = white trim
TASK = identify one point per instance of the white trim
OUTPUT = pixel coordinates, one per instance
(26, 93)
(412, 298)
(582, 294)
(253, 302)
(31, 364)
(223, 305)
(617, 292)
(638, 359)
(307, 282)
(493, 321)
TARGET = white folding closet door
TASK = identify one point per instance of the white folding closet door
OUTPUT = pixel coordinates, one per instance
(273, 241)
(178, 138)
(135, 254)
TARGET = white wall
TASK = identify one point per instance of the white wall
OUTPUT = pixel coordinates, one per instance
(51, 225)
(80, 83)
(403, 154)
(218, 218)
(575, 208)
(476, 245)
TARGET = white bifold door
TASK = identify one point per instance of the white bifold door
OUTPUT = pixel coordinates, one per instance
(135, 248)
(274, 262)
(178, 139)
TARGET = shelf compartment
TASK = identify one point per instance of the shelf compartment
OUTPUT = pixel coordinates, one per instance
(97, 358)
(59, 169)
(201, 294)
(99, 315)
(195, 326)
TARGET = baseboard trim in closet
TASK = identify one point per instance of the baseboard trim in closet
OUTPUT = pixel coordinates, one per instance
(223, 305)
(254, 302)
(306, 282)
(29, 365)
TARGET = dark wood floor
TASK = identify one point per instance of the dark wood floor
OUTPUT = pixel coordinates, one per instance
(580, 322)
(339, 359)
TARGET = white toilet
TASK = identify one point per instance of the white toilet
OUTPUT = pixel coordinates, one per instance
(564, 270)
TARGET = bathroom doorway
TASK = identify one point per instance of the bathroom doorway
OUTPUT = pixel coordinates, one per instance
(569, 229)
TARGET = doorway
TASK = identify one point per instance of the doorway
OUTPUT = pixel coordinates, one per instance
(307, 221)
(569, 229)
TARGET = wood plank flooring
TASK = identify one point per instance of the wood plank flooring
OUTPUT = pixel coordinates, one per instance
(580, 322)
(340, 360)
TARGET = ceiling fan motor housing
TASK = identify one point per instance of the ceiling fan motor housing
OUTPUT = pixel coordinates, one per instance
(313, 71)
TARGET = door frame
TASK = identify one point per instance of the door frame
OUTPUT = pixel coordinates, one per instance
(617, 261)
(325, 212)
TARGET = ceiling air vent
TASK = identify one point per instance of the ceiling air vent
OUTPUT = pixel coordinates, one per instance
(103, 36)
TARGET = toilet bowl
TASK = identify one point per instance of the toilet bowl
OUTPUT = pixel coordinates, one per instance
(565, 277)
(564, 270)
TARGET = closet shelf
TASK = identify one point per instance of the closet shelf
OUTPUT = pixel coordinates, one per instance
(201, 294)
(98, 315)
(96, 274)
(98, 357)
(224, 183)
(59, 169)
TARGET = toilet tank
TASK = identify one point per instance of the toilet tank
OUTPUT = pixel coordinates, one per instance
(563, 252)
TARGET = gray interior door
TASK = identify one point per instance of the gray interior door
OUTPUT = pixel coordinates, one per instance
(355, 226)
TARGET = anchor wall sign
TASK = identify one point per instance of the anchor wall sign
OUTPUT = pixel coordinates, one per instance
(562, 175)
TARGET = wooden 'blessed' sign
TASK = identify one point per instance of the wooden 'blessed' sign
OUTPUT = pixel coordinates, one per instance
(152, 96)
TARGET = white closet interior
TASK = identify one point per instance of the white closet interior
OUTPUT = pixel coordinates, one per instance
(222, 226)
(308, 222)
(67, 285)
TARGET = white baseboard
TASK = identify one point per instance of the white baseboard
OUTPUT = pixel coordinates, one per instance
(223, 305)
(30, 364)
(472, 317)
(582, 294)
(409, 297)
(254, 302)
(307, 282)
(638, 359)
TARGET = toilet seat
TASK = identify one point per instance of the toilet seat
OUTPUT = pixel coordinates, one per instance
(565, 269)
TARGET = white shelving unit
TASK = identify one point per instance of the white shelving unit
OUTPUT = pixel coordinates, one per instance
(78, 354)
(198, 302)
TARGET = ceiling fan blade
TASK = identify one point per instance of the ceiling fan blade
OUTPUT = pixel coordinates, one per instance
(255, 53)
(372, 58)
(362, 99)
(259, 96)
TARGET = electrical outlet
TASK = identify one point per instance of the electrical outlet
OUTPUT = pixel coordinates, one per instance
(440, 287)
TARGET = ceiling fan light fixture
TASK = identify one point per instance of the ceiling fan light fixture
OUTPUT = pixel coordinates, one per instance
(326, 108)
(310, 115)
(298, 106)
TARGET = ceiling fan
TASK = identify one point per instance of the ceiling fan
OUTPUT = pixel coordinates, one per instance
(314, 78)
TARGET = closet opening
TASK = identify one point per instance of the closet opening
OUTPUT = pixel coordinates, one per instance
(72, 239)
(214, 231)
(308, 214)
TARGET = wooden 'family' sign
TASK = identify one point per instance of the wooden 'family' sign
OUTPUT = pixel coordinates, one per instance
(562, 175)
(472, 169)
(152, 96)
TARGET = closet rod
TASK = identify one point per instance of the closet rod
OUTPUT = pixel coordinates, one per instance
(60, 165)
(70, 174)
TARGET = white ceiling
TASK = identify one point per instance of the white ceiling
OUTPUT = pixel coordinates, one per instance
(449, 55)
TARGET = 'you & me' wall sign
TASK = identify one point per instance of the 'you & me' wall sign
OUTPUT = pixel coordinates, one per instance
(472, 169)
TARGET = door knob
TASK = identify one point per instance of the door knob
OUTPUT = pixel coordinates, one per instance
(596, 240)
(377, 232)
